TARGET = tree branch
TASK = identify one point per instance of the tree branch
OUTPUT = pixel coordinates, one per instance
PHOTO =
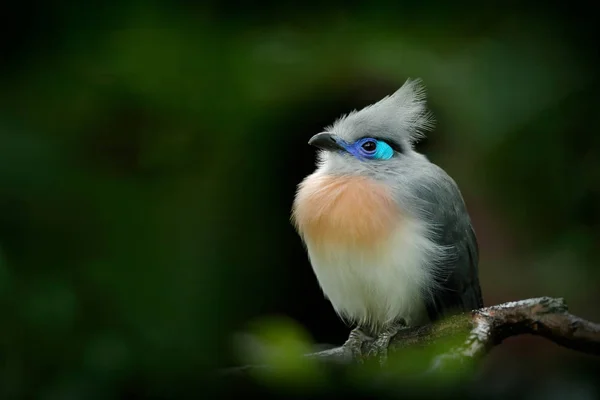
(485, 328)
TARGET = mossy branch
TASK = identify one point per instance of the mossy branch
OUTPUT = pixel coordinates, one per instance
(485, 328)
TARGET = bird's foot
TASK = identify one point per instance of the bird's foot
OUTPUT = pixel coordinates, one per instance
(379, 348)
(355, 342)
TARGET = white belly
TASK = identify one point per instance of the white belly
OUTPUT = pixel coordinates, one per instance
(377, 286)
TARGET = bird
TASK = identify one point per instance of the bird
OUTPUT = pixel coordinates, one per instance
(387, 231)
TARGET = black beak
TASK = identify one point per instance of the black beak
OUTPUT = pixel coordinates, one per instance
(326, 141)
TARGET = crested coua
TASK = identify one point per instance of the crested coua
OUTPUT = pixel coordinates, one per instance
(387, 231)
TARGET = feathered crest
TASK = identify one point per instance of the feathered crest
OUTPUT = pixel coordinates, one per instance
(403, 114)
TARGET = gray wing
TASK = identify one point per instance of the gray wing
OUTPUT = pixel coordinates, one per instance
(457, 288)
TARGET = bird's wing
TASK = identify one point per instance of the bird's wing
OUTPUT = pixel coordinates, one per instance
(457, 288)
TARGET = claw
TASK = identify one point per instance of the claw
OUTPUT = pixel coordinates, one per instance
(380, 346)
(355, 341)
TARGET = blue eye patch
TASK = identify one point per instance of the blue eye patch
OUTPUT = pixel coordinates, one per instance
(371, 149)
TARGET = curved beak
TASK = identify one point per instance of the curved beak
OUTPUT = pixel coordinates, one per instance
(327, 141)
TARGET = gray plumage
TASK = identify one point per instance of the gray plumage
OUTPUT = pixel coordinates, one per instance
(457, 286)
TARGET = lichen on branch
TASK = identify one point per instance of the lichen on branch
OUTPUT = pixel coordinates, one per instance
(479, 331)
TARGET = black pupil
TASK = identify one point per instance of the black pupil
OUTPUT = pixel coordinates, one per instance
(369, 146)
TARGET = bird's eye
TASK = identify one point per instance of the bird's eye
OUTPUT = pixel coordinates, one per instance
(373, 149)
(369, 146)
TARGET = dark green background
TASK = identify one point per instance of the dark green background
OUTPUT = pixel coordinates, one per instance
(149, 154)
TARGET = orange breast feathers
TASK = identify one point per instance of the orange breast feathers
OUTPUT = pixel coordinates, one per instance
(344, 210)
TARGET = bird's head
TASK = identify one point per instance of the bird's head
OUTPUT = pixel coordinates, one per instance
(378, 138)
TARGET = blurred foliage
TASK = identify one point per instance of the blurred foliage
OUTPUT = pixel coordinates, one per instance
(149, 154)
(280, 344)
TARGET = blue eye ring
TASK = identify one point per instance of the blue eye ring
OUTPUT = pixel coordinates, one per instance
(372, 149)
